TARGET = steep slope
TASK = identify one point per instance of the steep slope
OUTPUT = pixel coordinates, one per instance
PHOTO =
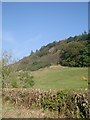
(72, 51)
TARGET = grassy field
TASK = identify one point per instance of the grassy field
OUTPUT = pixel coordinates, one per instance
(58, 77)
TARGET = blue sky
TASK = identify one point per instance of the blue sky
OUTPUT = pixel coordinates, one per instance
(28, 26)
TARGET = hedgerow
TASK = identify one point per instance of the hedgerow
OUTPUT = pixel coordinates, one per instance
(70, 104)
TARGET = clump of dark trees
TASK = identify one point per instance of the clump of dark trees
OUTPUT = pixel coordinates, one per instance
(76, 52)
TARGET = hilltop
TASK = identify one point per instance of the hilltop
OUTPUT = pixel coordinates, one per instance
(72, 52)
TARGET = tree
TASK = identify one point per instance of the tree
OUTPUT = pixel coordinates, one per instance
(84, 57)
(36, 50)
(85, 32)
(6, 68)
(32, 52)
(11, 77)
(74, 54)
(89, 31)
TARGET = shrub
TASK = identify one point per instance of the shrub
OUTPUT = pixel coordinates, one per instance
(37, 65)
(20, 79)
(70, 104)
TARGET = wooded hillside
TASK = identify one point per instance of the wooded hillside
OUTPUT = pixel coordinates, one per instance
(72, 52)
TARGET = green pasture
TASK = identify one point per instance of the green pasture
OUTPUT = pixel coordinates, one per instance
(58, 77)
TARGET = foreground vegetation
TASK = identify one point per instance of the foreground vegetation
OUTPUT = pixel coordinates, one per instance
(70, 102)
(61, 104)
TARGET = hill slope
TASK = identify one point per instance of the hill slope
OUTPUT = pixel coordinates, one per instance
(72, 51)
